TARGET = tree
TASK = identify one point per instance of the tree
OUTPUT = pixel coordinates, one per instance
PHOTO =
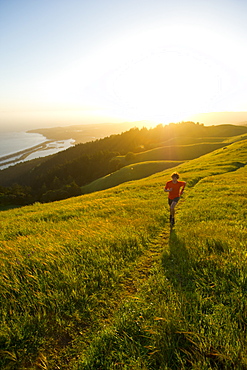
(130, 156)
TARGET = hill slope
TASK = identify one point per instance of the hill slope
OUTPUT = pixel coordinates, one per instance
(99, 280)
(61, 176)
(191, 310)
(128, 173)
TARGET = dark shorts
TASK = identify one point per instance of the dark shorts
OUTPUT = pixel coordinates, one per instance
(170, 201)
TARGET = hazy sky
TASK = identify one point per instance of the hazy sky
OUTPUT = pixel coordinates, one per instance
(80, 61)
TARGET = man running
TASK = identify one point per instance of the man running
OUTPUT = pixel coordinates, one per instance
(175, 189)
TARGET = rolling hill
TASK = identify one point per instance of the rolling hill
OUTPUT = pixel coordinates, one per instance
(100, 281)
(236, 118)
(128, 173)
(62, 175)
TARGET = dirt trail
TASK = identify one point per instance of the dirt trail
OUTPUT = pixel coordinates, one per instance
(146, 263)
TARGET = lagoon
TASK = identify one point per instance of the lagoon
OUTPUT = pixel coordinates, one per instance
(16, 147)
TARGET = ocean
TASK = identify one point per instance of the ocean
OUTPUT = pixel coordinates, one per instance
(16, 147)
(12, 142)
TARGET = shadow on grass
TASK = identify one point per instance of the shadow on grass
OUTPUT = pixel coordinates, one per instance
(177, 264)
(195, 346)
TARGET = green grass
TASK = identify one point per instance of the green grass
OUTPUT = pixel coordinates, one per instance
(188, 140)
(191, 312)
(176, 152)
(100, 282)
(156, 160)
(128, 173)
(63, 266)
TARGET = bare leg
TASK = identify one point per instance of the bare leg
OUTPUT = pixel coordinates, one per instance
(172, 211)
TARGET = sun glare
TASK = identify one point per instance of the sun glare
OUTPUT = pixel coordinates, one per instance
(161, 74)
(180, 72)
(170, 76)
(171, 82)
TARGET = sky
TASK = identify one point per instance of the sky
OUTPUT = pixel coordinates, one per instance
(66, 62)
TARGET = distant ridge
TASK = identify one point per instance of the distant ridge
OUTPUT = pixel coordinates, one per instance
(216, 118)
(88, 132)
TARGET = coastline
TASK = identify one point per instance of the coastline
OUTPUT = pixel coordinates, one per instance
(61, 138)
(21, 155)
(44, 149)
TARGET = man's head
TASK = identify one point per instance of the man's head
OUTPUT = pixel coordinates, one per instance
(175, 175)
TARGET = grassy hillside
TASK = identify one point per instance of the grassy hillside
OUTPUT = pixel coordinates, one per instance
(213, 118)
(190, 312)
(128, 173)
(155, 160)
(177, 152)
(100, 281)
(152, 162)
(188, 140)
(60, 176)
(63, 270)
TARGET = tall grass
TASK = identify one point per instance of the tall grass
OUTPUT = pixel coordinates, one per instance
(191, 312)
(70, 295)
(63, 266)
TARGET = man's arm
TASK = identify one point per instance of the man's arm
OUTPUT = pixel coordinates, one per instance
(167, 190)
(182, 190)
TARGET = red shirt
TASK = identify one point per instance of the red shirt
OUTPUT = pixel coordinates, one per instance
(175, 188)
